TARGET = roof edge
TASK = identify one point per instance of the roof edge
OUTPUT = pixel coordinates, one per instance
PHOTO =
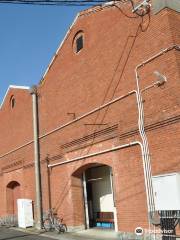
(79, 14)
(60, 46)
(14, 87)
(100, 7)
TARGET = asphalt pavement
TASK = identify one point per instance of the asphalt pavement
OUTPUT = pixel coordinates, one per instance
(32, 234)
(11, 234)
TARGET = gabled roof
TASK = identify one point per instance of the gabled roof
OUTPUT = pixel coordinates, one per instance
(92, 9)
(60, 46)
(14, 87)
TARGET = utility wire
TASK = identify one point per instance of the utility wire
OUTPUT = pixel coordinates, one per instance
(55, 2)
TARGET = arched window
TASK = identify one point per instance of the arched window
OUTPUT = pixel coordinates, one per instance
(78, 42)
(12, 194)
(12, 102)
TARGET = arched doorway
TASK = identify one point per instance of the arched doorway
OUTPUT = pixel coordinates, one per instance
(98, 195)
(13, 193)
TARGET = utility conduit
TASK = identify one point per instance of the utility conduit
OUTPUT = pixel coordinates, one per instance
(177, 47)
(96, 109)
(144, 147)
(71, 122)
(146, 155)
(97, 153)
(88, 113)
(107, 151)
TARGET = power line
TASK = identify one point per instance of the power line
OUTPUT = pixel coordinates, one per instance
(56, 2)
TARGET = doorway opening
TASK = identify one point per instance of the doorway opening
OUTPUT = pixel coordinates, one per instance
(99, 197)
(13, 193)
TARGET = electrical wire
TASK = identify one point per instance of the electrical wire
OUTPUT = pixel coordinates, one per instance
(56, 2)
(140, 27)
(117, 84)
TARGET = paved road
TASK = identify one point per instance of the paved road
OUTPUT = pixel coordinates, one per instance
(10, 234)
(91, 234)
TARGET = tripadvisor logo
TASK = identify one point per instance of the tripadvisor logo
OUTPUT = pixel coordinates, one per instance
(139, 231)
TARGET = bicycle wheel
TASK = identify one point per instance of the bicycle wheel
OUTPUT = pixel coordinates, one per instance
(59, 227)
(63, 228)
(47, 225)
(56, 225)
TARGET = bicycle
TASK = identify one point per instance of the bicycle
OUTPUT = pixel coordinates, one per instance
(53, 222)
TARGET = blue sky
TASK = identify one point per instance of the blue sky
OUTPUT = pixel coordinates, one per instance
(29, 37)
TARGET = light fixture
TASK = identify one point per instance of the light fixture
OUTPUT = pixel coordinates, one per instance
(161, 79)
(142, 8)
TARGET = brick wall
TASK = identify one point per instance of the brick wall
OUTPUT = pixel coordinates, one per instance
(114, 44)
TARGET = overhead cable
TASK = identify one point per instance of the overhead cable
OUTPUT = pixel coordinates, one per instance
(56, 2)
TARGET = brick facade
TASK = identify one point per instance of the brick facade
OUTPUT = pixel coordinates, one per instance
(115, 42)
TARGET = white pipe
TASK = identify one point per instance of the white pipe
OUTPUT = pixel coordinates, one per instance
(93, 111)
(174, 46)
(107, 151)
(150, 197)
(15, 149)
(85, 200)
(177, 47)
(114, 205)
(88, 113)
(95, 154)
(71, 122)
(145, 150)
(141, 124)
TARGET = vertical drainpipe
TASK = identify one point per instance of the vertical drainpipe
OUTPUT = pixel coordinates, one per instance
(48, 183)
(114, 203)
(38, 203)
(85, 201)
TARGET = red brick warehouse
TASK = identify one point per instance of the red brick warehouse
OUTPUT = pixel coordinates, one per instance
(108, 118)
